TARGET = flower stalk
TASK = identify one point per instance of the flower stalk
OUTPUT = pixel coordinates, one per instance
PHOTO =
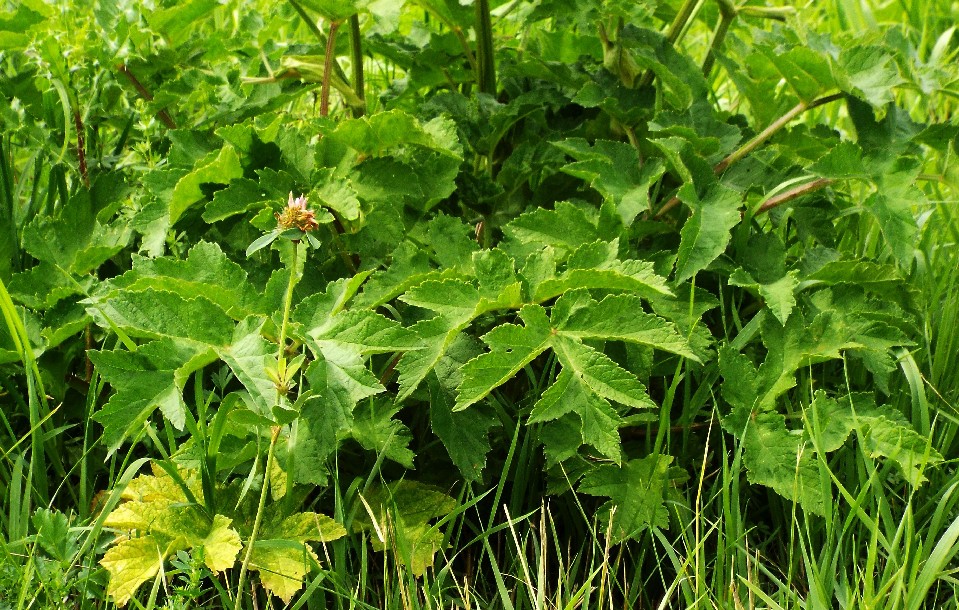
(258, 520)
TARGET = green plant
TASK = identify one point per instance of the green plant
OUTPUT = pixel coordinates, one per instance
(566, 251)
(160, 518)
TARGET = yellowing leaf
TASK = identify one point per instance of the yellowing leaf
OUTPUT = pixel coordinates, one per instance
(221, 545)
(304, 527)
(156, 506)
(132, 562)
(416, 545)
(282, 565)
(277, 481)
(154, 503)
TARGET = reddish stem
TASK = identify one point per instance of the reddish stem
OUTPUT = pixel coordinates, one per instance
(327, 68)
(759, 139)
(163, 115)
(81, 148)
(388, 371)
(791, 194)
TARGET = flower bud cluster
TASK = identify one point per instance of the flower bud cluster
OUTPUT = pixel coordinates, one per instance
(296, 216)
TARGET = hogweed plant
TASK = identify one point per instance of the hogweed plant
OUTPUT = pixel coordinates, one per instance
(511, 255)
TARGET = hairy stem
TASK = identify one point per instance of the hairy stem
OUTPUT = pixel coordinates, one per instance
(486, 65)
(776, 13)
(327, 67)
(287, 300)
(356, 49)
(163, 115)
(81, 147)
(258, 520)
(316, 32)
(758, 140)
(776, 125)
(793, 193)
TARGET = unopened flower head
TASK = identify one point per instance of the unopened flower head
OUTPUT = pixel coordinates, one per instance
(296, 215)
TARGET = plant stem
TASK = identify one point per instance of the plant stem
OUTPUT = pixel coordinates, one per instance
(287, 300)
(88, 347)
(458, 32)
(759, 139)
(7, 172)
(81, 147)
(672, 35)
(327, 66)
(258, 519)
(390, 368)
(727, 12)
(776, 13)
(316, 32)
(356, 48)
(778, 124)
(679, 23)
(793, 193)
(309, 21)
(163, 115)
(486, 64)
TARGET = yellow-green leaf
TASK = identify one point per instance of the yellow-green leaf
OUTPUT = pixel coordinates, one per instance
(221, 545)
(131, 563)
(282, 565)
